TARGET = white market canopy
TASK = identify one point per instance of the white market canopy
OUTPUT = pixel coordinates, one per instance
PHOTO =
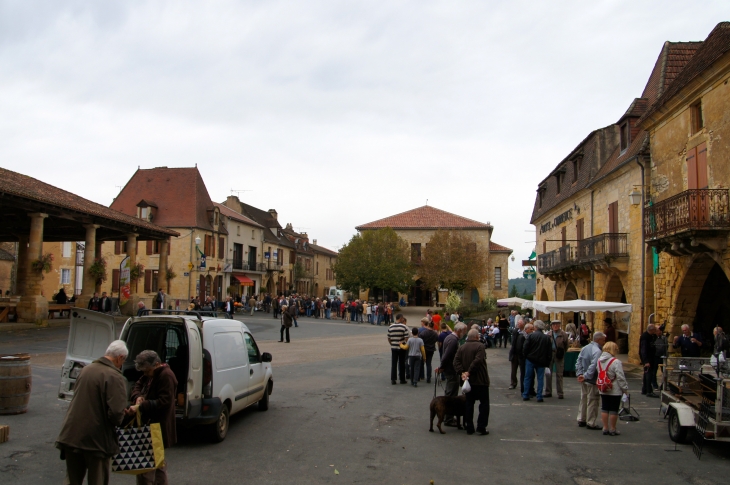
(576, 306)
(514, 301)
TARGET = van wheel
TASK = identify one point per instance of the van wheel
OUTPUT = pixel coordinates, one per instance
(677, 432)
(264, 402)
(219, 429)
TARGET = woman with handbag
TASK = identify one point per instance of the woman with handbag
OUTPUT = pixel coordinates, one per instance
(154, 396)
(611, 383)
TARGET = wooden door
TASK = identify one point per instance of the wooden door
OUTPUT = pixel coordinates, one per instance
(612, 227)
(699, 211)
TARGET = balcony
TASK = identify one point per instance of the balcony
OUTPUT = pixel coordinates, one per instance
(598, 253)
(603, 251)
(241, 265)
(692, 221)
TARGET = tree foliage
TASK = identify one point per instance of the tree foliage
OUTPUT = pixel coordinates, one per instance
(453, 260)
(378, 258)
(453, 302)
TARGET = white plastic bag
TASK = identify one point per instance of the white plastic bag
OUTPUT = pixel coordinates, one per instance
(466, 387)
(548, 372)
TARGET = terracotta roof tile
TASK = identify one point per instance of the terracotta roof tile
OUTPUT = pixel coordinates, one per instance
(425, 217)
(672, 59)
(20, 185)
(180, 195)
(498, 248)
(320, 249)
(707, 52)
(228, 212)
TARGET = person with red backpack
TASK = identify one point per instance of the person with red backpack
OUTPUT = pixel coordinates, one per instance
(584, 334)
(611, 383)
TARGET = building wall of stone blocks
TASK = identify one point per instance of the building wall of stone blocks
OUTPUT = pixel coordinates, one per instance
(52, 281)
(482, 239)
(321, 281)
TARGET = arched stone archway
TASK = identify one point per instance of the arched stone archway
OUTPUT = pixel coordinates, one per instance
(615, 290)
(571, 293)
(540, 315)
(701, 301)
(544, 295)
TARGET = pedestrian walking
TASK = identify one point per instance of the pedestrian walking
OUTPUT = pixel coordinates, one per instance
(446, 368)
(88, 437)
(429, 337)
(610, 367)
(252, 304)
(559, 342)
(292, 311)
(585, 369)
(649, 359)
(286, 322)
(154, 396)
(397, 334)
(160, 299)
(470, 362)
(95, 303)
(538, 352)
(416, 354)
(503, 325)
(516, 357)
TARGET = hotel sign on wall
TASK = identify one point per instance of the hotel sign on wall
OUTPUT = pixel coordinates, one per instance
(560, 219)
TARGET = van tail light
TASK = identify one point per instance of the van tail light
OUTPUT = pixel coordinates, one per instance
(75, 371)
(207, 376)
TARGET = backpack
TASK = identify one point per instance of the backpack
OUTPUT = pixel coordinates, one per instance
(584, 332)
(603, 382)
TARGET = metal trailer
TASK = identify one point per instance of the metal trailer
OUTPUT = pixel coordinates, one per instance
(696, 395)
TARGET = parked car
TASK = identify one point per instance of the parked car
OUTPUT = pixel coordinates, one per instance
(219, 368)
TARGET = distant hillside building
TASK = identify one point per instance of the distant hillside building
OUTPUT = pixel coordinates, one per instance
(417, 226)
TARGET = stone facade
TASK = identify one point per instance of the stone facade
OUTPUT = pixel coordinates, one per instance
(692, 268)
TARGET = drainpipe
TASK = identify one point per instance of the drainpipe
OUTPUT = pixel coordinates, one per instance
(190, 276)
(643, 244)
(593, 274)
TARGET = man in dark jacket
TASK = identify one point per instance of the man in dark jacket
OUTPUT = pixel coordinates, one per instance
(448, 352)
(105, 303)
(95, 303)
(429, 337)
(88, 437)
(515, 354)
(154, 396)
(690, 342)
(471, 362)
(648, 359)
(538, 352)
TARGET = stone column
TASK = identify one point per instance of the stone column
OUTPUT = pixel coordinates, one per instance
(33, 307)
(89, 283)
(22, 264)
(162, 267)
(98, 254)
(131, 307)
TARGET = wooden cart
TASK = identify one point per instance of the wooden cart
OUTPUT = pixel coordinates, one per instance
(696, 395)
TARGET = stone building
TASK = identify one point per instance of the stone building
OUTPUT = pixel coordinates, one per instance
(68, 266)
(323, 269)
(588, 228)
(417, 226)
(687, 215)
(7, 267)
(175, 198)
(244, 265)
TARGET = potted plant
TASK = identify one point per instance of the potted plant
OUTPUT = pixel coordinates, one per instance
(44, 264)
(98, 270)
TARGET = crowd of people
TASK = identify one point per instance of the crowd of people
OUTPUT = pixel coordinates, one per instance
(536, 350)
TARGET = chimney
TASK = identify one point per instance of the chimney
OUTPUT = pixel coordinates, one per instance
(272, 213)
(232, 202)
(314, 241)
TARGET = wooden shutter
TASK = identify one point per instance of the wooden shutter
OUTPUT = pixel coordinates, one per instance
(563, 235)
(692, 169)
(147, 281)
(221, 247)
(169, 243)
(150, 249)
(702, 166)
(544, 247)
(115, 279)
(206, 245)
(613, 217)
(212, 246)
(117, 247)
(579, 229)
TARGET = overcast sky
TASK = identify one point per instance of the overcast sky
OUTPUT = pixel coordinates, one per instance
(334, 113)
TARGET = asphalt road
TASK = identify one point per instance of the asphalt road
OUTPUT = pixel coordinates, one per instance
(343, 414)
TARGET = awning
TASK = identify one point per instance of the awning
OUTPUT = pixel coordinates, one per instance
(513, 301)
(577, 306)
(244, 280)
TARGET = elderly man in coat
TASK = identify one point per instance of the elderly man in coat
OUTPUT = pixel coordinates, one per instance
(471, 362)
(88, 437)
(559, 342)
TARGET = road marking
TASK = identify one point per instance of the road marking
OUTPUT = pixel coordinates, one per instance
(584, 442)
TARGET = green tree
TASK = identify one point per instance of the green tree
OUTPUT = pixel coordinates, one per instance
(453, 302)
(454, 261)
(378, 258)
(513, 291)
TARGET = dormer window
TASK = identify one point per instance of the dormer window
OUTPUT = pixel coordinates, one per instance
(576, 167)
(540, 195)
(143, 212)
(146, 210)
(559, 179)
(625, 136)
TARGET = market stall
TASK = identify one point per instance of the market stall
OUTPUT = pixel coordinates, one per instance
(513, 301)
(571, 306)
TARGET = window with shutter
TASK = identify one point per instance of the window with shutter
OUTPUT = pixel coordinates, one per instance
(169, 243)
(692, 169)
(117, 247)
(579, 229)
(221, 247)
(147, 281)
(150, 249)
(206, 245)
(115, 280)
(613, 217)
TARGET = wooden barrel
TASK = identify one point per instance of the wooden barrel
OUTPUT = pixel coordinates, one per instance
(15, 383)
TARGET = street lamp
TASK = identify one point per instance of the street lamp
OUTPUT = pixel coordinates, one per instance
(197, 241)
(635, 196)
(513, 258)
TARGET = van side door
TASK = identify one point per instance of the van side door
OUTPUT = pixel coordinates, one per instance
(194, 389)
(256, 371)
(230, 368)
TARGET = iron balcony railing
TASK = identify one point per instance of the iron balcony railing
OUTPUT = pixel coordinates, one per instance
(603, 246)
(555, 260)
(241, 265)
(691, 210)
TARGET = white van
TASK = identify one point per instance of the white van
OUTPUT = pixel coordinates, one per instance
(334, 292)
(218, 365)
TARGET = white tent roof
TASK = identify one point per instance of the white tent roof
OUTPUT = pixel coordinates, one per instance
(577, 306)
(513, 301)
